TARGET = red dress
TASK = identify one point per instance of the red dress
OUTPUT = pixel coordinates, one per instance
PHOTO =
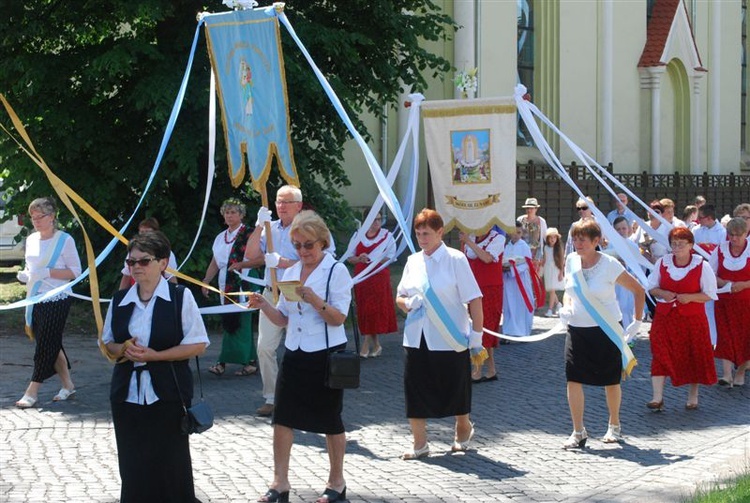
(732, 310)
(680, 342)
(490, 280)
(376, 311)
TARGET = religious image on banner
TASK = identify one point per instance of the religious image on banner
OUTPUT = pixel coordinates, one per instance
(471, 150)
(245, 51)
(471, 156)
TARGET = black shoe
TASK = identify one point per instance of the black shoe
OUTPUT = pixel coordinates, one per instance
(274, 496)
(331, 495)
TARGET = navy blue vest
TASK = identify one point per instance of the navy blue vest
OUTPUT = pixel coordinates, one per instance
(166, 332)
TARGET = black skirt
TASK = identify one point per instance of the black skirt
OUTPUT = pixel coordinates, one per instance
(591, 357)
(303, 402)
(436, 383)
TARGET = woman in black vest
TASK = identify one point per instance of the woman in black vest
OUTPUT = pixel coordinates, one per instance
(154, 346)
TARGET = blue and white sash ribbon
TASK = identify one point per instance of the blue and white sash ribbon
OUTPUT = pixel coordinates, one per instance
(601, 316)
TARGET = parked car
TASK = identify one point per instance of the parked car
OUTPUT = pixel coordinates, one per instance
(12, 236)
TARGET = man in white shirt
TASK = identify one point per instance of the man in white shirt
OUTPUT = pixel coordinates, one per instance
(710, 233)
(621, 210)
(288, 205)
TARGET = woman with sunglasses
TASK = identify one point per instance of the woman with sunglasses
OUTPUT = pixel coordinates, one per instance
(584, 213)
(51, 261)
(731, 263)
(153, 328)
(682, 282)
(314, 319)
(237, 344)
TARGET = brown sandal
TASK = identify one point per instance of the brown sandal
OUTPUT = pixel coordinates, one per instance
(218, 369)
(247, 370)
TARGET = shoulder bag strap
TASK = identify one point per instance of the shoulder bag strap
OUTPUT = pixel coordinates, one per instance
(352, 312)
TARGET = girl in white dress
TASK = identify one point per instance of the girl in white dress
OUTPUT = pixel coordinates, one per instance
(554, 264)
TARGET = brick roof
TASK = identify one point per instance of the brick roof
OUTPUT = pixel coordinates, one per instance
(657, 32)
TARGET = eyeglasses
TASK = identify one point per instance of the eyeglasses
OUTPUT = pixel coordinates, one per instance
(581, 208)
(307, 246)
(39, 217)
(283, 203)
(680, 244)
(143, 262)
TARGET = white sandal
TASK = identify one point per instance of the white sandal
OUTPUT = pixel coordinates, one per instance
(63, 394)
(26, 402)
(417, 453)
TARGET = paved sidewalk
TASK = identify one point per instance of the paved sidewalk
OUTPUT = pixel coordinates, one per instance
(65, 452)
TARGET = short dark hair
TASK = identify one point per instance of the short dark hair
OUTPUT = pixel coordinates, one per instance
(430, 218)
(618, 220)
(707, 210)
(151, 223)
(155, 243)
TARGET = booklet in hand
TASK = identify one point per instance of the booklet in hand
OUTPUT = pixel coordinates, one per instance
(289, 289)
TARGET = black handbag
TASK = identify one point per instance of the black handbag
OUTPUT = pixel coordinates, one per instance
(199, 417)
(342, 366)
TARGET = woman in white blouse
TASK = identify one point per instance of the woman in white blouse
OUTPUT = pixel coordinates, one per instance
(316, 312)
(152, 381)
(437, 371)
(595, 349)
(51, 261)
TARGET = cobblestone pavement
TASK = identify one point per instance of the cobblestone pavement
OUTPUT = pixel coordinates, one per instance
(65, 452)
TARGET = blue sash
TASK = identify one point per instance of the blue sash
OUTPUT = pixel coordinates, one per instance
(601, 316)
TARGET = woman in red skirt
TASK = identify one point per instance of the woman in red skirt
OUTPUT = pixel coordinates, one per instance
(731, 263)
(376, 311)
(485, 254)
(682, 282)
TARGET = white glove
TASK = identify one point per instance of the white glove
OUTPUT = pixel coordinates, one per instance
(475, 339)
(565, 313)
(272, 259)
(38, 275)
(413, 302)
(264, 216)
(23, 276)
(632, 330)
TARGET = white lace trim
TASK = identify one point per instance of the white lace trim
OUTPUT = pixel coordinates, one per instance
(369, 242)
(677, 273)
(734, 263)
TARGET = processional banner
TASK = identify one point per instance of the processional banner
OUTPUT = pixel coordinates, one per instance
(471, 150)
(245, 51)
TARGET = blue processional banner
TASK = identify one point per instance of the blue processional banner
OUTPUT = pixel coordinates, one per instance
(245, 51)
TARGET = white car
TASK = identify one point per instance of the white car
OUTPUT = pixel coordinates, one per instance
(11, 226)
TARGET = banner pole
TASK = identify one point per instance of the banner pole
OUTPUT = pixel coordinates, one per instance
(269, 245)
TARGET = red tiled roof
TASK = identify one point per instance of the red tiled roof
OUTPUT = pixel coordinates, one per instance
(658, 30)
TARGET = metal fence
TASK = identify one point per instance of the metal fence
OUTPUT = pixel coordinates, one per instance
(558, 199)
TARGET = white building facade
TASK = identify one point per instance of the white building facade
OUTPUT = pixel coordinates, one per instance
(648, 85)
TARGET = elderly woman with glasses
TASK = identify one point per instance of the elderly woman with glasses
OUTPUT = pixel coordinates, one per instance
(731, 263)
(584, 213)
(682, 282)
(237, 344)
(314, 315)
(153, 328)
(51, 261)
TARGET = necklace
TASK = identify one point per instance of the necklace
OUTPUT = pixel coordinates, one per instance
(226, 235)
(142, 299)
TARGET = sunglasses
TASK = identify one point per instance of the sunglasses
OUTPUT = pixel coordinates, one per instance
(307, 246)
(581, 208)
(143, 262)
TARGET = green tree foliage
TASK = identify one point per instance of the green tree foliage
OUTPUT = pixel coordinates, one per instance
(94, 82)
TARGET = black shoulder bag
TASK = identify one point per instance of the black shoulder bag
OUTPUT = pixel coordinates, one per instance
(199, 417)
(342, 366)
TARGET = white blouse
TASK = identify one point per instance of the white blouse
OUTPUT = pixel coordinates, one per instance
(305, 329)
(601, 280)
(494, 244)
(451, 279)
(37, 250)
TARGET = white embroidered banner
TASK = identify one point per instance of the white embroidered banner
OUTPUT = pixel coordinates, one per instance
(471, 150)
